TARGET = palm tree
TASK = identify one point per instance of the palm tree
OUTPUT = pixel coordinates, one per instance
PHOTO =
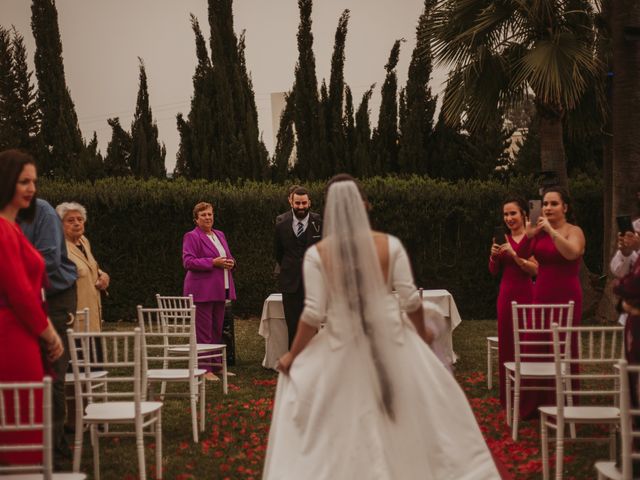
(500, 51)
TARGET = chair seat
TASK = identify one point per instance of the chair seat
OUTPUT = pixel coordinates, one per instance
(493, 339)
(200, 348)
(167, 374)
(40, 476)
(68, 377)
(116, 411)
(591, 413)
(609, 470)
(532, 369)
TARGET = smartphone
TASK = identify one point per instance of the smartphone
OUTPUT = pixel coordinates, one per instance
(624, 224)
(535, 210)
(498, 234)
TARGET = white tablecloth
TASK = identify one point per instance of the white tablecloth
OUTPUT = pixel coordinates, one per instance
(273, 327)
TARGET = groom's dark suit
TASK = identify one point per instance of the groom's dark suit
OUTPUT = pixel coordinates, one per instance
(289, 255)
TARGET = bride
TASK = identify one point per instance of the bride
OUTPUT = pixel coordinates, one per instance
(365, 397)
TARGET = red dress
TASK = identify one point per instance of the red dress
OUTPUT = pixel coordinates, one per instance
(515, 285)
(558, 281)
(22, 320)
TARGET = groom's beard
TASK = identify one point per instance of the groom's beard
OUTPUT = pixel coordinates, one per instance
(300, 213)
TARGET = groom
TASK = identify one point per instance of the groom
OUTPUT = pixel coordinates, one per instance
(296, 231)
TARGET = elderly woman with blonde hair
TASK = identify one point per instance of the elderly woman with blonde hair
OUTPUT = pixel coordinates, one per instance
(91, 280)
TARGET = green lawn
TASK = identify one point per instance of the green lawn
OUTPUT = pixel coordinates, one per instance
(233, 444)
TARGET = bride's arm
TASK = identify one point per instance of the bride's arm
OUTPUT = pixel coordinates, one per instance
(402, 282)
(314, 309)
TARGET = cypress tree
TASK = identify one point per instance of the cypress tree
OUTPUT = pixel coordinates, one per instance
(147, 155)
(258, 154)
(198, 134)
(416, 123)
(349, 127)
(92, 161)
(333, 118)
(362, 154)
(311, 151)
(8, 137)
(60, 130)
(220, 137)
(385, 136)
(26, 119)
(285, 141)
(116, 163)
(240, 153)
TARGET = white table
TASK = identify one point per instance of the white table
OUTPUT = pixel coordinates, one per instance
(273, 327)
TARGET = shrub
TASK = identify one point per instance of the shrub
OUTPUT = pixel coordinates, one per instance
(136, 228)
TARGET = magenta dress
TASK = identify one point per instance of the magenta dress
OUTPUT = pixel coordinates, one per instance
(515, 285)
(558, 281)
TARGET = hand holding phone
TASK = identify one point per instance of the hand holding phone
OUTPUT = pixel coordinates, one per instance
(535, 210)
(624, 224)
(498, 234)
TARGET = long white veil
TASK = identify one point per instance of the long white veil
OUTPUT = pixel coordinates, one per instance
(356, 284)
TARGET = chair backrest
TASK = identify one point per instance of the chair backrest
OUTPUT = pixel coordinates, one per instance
(532, 329)
(161, 337)
(629, 417)
(174, 309)
(590, 373)
(121, 357)
(14, 419)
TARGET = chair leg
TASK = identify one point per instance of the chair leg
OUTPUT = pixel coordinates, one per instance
(203, 393)
(560, 431)
(77, 444)
(516, 410)
(572, 426)
(489, 366)
(544, 446)
(194, 412)
(159, 445)
(508, 389)
(95, 442)
(142, 469)
(225, 387)
(612, 442)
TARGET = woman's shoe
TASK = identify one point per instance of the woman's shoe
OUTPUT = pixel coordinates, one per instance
(212, 377)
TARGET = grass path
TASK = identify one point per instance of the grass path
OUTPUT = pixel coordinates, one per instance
(233, 444)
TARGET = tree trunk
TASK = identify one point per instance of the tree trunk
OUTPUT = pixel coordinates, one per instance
(552, 146)
(626, 105)
(625, 143)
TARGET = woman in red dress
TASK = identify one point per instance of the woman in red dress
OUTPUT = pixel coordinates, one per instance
(558, 247)
(516, 284)
(23, 321)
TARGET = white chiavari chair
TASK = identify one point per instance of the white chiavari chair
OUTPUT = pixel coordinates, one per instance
(124, 404)
(533, 353)
(588, 376)
(13, 421)
(176, 320)
(172, 358)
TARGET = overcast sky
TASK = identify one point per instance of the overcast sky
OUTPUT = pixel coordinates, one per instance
(101, 40)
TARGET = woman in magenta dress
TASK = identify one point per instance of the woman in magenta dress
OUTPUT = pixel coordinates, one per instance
(558, 247)
(23, 321)
(516, 284)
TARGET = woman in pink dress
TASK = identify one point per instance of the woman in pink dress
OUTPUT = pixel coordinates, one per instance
(516, 284)
(23, 321)
(558, 247)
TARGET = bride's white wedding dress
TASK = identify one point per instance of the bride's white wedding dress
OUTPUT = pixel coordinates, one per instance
(329, 421)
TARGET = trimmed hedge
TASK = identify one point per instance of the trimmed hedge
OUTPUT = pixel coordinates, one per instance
(136, 228)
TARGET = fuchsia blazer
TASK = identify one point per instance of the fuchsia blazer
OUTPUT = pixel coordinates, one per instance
(204, 281)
